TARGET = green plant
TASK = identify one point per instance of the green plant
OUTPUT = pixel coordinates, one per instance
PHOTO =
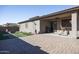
(1, 36)
(22, 34)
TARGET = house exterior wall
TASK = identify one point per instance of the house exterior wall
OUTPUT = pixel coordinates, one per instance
(30, 27)
(59, 25)
(37, 27)
(43, 25)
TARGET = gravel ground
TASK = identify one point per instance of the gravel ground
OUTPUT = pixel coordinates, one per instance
(54, 44)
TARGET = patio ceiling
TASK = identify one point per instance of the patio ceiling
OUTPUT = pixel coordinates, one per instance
(58, 17)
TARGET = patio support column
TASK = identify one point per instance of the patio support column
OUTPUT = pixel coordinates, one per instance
(74, 19)
(59, 24)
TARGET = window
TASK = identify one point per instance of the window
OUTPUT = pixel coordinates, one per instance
(26, 25)
(66, 23)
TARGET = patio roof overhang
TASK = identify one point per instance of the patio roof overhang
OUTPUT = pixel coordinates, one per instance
(58, 17)
(61, 13)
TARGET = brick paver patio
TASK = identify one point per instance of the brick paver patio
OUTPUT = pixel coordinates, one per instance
(54, 44)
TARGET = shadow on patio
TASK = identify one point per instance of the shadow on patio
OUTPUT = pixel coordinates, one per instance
(14, 45)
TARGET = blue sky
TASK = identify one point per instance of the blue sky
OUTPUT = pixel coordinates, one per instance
(17, 13)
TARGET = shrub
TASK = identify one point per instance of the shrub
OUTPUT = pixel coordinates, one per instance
(22, 34)
(27, 33)
(1, 36)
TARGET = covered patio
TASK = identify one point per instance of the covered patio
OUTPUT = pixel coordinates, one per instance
(63, 24)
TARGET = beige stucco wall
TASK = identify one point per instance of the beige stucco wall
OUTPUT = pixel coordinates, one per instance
(30, 27)
(43, 24)
(37, 26)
